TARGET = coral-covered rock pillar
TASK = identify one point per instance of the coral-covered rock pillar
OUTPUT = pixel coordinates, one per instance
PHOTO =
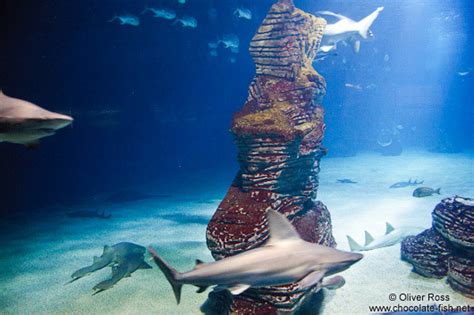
(278, 133)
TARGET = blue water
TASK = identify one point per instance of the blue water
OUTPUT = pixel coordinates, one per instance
(153, 107)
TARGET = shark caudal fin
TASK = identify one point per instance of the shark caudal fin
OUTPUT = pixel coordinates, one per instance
(438, 191)
(365, 24)
(355, 247)
(169, 272)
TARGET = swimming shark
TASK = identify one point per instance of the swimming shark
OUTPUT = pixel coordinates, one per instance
(161, 13)
(347, 31)
(406, 184)
(285, 258)
(187, 21)
(126, 19)
(25, 123)
(124, 258)
(392, 236)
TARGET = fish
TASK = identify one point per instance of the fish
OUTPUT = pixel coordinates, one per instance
(25, 123)
(406, 184)
(243, 13)
(187, 21)
(347, 31)
(346, 181)
(132, 195)
(182, 1)
(353, 86)
(126, 19)
(463, 73)
(267, 265)
(391, 237)
(230, 41)
(88, 214)
(164, 13)
(124, 258)
(425, 192)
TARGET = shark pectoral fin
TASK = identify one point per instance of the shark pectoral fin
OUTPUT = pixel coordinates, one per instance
(368, 238)
(388, 228)
(311, 279)
(201, 288)
(356, 46)
(280, 228)
(238, 289)
(144, 265)
(334, 283)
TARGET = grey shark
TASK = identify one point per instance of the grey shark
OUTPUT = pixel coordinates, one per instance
(347, 31)
(392, 236)
(25, 123)
(124, 258)
(285, 258)
(407, 184)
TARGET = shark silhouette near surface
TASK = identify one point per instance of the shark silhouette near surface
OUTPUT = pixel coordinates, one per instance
(347, 31)
(392, 236)
(124, 258)
(22, 122)
(285, 258)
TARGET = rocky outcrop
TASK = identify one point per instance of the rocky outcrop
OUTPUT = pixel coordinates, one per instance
(447, 248)
(278, 133)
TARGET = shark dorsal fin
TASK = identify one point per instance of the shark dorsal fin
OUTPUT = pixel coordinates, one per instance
(107, 249)
(388, 228)
(368, 238)
(280, 228)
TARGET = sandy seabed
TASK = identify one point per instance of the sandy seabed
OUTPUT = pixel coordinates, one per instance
(38, 254)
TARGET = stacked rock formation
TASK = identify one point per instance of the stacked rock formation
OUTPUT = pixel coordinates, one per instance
(447, 249)
(278, 133)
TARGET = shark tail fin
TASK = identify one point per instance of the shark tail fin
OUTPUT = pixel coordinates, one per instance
(368, 238)
(365, 24)
(114, 18)
(170, 273)
(438, 191)
(353, 244)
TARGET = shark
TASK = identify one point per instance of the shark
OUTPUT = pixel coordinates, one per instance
(124, 258)
(126, 19)
(391, 237)
(347, 31)
(22, 122)
(285, 258)
(406, 184)
(161, 13)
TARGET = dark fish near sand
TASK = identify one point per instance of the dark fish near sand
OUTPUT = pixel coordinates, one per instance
(88, 214)
(426, 192)
(124, 258)
(346, 181)
(406, 184)
(131, 195)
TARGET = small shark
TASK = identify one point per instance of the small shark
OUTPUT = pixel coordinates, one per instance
(346, 181)
(25, 123)
(88, 214)
(164, 13)
(187, 21)
(285, 258)
(406, 184)
(124, 258)
(346, 30)
(392, 236)
(126, 19)
(230, 41)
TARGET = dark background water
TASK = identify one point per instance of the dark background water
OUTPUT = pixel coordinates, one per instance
(149, 102)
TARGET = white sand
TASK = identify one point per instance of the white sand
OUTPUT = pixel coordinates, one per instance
(36, 260)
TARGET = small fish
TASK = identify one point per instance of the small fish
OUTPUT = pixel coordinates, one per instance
(463, 73)
(230, 41)
(126, 19)
(406, 184)
(243, 13)
(187, 21)
(386, 58)
(164, 13)
(425, 192)
(346, 181)
(353, 86)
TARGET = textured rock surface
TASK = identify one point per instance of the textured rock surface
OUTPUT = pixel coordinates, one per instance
(278, 133)
(447, 248)
(428, 252)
